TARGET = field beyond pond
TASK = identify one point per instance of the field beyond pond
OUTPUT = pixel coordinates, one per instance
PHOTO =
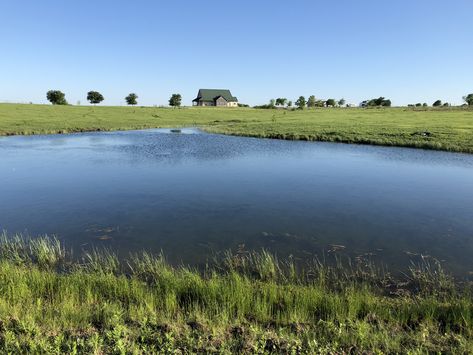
(448, 129)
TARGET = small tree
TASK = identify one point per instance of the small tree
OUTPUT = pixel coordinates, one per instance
(281, 101)
(131, 99)
(56, 97)
(272, 103)
(311, 101)
(437, 103)
(341, 102)
(330, 102)
(289, 104)
(425, 104)
(418, 104)
(175, 100)
(94, 97)
(301, 102)
(468, 99)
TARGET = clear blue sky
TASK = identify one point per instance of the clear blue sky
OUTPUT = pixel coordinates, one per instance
(407, 50)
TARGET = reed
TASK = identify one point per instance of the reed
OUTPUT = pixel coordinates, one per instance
(243, 302)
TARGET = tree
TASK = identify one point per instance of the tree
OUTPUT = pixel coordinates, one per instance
(56, 97)
(311, 102)
(418, 104)
(131, 99)
(281, 101)
(437, 103)
(301, 102)
(425, 104)
(468, 99)
(289, 104)
(272, 102)
(175, 100)
(94, 97)
(380, 101)
(341, 102)
(330, 102)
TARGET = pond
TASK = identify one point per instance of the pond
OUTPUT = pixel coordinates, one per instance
(193, 195)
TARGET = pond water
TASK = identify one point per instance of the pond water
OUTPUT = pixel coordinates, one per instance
(193, 194)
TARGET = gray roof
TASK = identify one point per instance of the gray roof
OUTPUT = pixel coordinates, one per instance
(210, 95)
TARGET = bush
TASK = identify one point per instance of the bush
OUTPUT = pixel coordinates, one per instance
(56, 97)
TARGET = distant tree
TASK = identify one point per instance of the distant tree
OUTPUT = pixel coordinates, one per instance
(272, 103)
(289, 104)
(418, 104)
(380, 101)
(468, 99)
(94, 97)
(437, 103)
(330, 102)
(131, 99)
(446, 104)
(311, 101)
(301, 102)
(281, 101)
(341, 102)
(175, 100)
(425, 104)
(56, 97)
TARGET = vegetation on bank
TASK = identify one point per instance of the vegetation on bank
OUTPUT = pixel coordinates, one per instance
(55, 302)
(440, 128)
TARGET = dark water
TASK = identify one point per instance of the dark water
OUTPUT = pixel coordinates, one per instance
(194, 194)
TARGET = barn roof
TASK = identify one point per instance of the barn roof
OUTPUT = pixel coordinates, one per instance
(212, 94)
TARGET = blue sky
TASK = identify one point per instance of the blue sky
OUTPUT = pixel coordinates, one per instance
(406, 50)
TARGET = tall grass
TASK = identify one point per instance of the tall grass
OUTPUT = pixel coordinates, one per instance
(244, 302)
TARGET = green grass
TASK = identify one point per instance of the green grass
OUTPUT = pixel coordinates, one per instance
(241, 303)
(447, 128)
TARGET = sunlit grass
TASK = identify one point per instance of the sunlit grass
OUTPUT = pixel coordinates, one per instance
(244, 302)
(441, 128)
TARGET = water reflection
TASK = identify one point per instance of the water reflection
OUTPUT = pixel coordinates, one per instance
(192, 194)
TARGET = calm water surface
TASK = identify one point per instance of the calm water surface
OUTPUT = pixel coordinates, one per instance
(195, 194)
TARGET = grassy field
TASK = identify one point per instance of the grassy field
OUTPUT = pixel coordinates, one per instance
(241, 303)
(443, 129)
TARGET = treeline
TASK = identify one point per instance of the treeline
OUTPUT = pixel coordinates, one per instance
(57, 97)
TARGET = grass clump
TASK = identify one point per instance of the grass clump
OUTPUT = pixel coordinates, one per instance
(242, 303)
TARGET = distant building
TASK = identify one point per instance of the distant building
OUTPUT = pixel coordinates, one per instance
(215, 97)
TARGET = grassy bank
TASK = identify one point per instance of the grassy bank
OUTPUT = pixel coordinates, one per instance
(443, 129)
(242, 303)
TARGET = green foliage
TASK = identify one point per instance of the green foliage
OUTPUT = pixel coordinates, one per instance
(301, 103)
(289, 104)
(272, 103)
(418, 104)
(341, 102)
(131, 99)
(380, 101)
(56, 97)
(437, 103)
(246, 302)
(468, 99)
(94, 97)
(311, 101)
(330, 102)
(175, 100)
(425, 104)
(281, 101)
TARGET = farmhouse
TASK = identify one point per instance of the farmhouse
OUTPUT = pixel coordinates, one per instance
(215, 97)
